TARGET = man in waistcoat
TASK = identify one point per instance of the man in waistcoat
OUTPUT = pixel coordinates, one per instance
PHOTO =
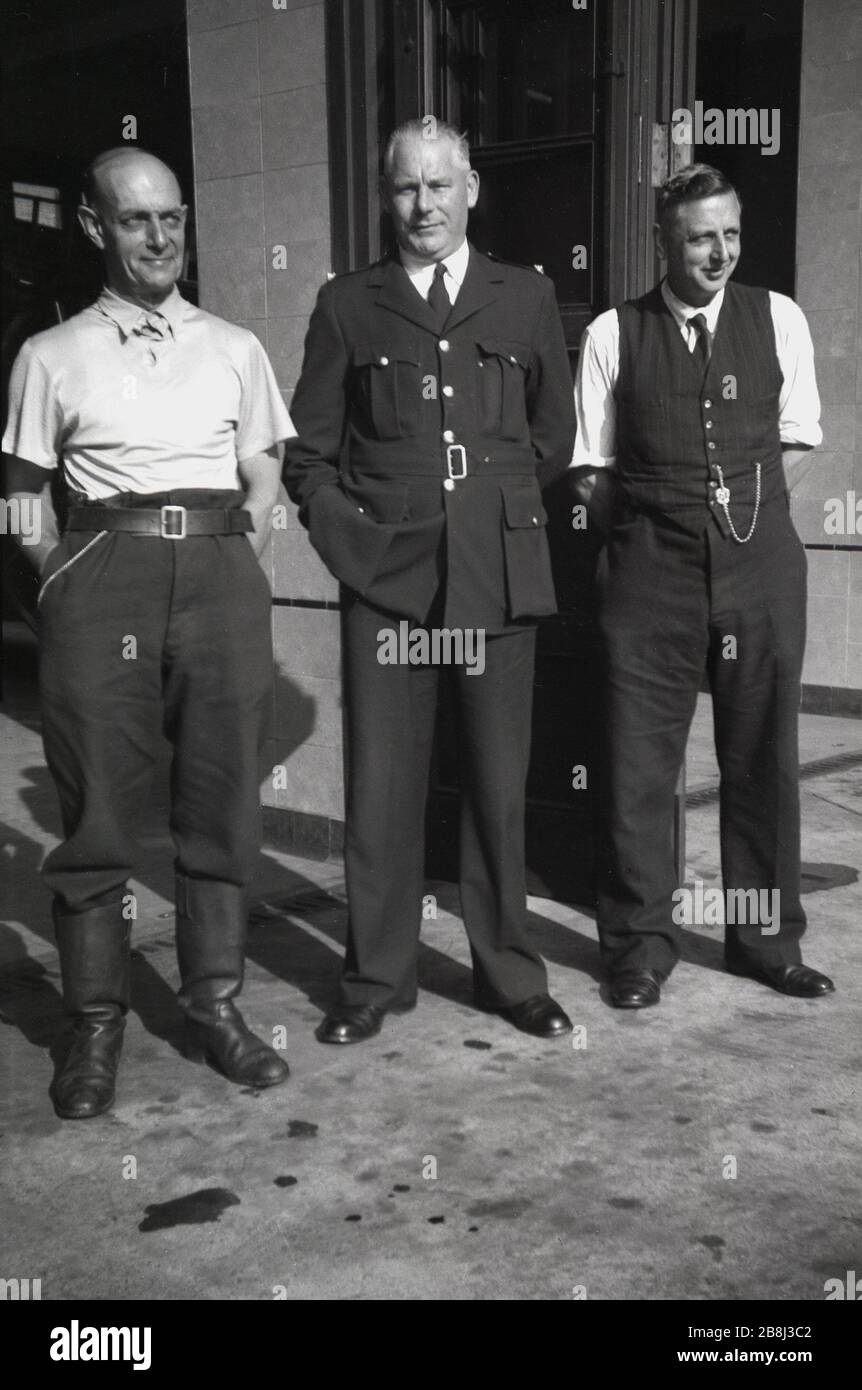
(433, 385)
(697, 405)
(154, 617)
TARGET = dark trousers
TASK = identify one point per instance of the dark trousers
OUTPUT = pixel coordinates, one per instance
(672, 605)
(142, 636)
(389, 729)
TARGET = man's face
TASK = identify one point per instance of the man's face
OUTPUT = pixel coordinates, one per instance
(701, 247)
(429, 193)
(139, 224)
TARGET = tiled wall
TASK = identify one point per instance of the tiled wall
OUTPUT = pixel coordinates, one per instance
(829, 289)
(258, 91)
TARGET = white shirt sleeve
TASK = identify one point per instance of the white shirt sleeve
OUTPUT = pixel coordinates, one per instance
(263, 416)
(598, 372)
(34, 428)
(799, 400)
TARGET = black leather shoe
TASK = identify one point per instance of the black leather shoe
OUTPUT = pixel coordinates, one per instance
(350, 1023)
(84, 1085)
(223, 1039)
(540, 1015)
(635, 989)
(799, 980)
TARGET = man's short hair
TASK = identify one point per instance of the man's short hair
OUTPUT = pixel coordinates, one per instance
(690, 185)
(90, 181)
(427, 128)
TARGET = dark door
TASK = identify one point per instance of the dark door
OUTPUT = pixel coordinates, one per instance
(523, 80)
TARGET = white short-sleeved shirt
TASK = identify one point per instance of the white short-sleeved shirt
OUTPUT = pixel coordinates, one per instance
(127, 411)
(599, 367)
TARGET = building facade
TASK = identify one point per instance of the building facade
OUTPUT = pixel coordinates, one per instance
(274, 111)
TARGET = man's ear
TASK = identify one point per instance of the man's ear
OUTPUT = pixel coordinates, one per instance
(660, 241)
(91, 225)
(472, 188)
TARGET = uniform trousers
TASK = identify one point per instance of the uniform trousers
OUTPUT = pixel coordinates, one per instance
(673, 605)
(143, 636)
(389, 729)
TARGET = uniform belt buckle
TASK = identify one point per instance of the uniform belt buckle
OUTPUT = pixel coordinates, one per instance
(171, 517)
(451, 450)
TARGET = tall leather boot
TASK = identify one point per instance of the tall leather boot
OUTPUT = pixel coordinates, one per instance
(94, 961)
(211, 936)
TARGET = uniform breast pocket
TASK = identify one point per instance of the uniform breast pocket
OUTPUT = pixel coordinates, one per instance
(388, 385)
(503, 369)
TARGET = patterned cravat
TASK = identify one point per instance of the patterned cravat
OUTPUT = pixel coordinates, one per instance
(703, 346)
(152, 325)
(438, 299)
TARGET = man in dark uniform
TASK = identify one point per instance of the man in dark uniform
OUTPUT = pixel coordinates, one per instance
(154, 615)
(694, 402)
(432, 386)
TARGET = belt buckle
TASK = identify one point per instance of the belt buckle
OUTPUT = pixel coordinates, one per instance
(452, 449)
(171, 515)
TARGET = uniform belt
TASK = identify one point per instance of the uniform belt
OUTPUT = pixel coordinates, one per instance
(173, 523)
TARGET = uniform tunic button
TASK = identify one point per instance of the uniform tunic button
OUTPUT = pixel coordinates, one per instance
(707, 405)
(448, 390)
(534, 520)
(443, 345)
(708, 425)
(449, 436)
(384, 361)
(449, 484)
(710, 445)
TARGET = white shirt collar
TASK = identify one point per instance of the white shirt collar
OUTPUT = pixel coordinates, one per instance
(422, 274)
(126, 315)
(682, 312)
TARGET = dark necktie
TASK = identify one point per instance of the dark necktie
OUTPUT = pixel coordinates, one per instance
(703, 346)
(438, 299)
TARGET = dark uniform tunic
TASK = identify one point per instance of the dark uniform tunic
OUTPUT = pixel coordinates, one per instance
(415, 472)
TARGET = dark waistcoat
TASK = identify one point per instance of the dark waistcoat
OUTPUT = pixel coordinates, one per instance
(680, 431)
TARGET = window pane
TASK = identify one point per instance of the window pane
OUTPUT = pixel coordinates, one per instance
(538, 210)
(521, 69)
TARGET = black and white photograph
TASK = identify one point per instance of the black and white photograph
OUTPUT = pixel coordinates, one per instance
(431, 721)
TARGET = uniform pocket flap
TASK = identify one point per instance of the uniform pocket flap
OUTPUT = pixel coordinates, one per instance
(383, 354)
(523, 508)
(516, 354)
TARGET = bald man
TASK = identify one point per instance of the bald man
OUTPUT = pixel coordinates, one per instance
(154, 618)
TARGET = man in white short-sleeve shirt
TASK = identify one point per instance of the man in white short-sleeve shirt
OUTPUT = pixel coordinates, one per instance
(154, 617)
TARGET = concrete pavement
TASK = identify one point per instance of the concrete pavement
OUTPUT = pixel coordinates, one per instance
(704, 1149)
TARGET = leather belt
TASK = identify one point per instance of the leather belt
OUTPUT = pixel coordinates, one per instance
(172, 523)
